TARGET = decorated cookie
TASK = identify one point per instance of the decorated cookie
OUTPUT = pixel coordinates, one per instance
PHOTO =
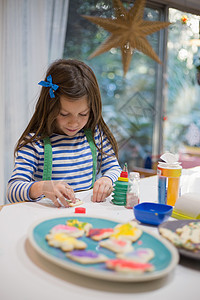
(190, 232)
(171, 236)
(86, 256)
(184, 238)
(128, 266)
(69, 230)
(195, 225)
(98, 234)
(128, 231)
(139, 255)
(64, 241)
(80, 225)
(76, 203)
(117, 245)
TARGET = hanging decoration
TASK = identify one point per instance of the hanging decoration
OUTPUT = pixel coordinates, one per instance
(128, 31)
(184, 19)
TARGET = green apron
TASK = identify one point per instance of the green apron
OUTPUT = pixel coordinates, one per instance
(47, 171)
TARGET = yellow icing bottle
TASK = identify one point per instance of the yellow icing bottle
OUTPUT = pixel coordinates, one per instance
(168, 182)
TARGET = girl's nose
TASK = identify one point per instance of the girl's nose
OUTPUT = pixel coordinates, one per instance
(73, 120)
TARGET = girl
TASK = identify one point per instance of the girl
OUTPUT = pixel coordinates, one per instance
(64, 140)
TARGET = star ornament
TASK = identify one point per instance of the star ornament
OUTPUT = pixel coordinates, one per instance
(128, 31)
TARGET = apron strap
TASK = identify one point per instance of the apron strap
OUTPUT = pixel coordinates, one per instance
(47, 171)
(93, 149)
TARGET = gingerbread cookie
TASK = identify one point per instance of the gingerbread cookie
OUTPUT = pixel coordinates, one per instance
(128, 231)
(86, 256)
(139, 255)
(117, 245)
(98, 234)
(128, 266)
(64, 241)
(80, 225)
(76, 203)
(69, 230)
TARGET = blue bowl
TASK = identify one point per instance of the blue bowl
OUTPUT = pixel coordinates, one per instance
(152, 213)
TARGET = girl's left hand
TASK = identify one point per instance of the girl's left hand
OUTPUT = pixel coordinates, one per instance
(102, 189)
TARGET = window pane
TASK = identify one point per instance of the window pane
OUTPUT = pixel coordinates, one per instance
(182, 125)
(128, 103)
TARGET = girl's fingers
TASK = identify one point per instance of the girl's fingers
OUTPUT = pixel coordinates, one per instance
(99, 194)
(58, 192)
(69, 193)
(102, 194)
(95, 192)
(102, 189)
(109, 191)
(62, 199)
(56, 202)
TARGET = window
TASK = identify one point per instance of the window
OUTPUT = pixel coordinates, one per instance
(130, 105)
(182, 125)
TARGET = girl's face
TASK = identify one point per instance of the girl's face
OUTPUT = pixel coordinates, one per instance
(73, 115)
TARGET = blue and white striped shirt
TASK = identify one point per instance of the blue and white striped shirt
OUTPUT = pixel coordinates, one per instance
(71, 161)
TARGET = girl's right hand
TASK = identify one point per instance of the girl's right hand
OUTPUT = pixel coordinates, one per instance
(57, 191)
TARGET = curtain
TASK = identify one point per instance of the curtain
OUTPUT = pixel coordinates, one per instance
(32, 35)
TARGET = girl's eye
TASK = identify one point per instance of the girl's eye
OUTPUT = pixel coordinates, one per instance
(83, 115)
(63, 115)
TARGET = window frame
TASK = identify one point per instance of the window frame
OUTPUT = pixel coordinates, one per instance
(160, 79)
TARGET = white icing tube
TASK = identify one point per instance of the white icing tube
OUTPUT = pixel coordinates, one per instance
(189, 205)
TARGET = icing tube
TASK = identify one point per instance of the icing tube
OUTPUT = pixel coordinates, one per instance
(189, 204)
(172, 190)
(171, 170)
(162, 189)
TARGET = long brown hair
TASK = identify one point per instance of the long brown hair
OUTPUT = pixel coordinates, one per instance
(75, 80)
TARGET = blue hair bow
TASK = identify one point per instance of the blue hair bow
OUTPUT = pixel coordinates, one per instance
(48, 83)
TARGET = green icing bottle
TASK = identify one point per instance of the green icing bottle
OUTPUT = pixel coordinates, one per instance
(120, 188)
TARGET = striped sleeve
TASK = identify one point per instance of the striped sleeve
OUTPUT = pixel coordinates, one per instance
(72, 163)
(22, 176)
(110, 166)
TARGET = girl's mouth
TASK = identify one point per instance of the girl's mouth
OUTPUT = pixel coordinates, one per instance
(71, 130)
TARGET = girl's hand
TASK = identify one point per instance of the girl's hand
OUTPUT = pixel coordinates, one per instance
(54, 190)
(102, 189)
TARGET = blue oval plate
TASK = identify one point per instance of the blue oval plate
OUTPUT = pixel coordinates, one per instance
(166, 255)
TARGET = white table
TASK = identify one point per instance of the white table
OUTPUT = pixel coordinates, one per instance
(25, 275)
